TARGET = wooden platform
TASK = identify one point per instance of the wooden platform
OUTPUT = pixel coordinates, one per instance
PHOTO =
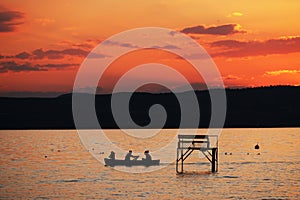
(206, 144)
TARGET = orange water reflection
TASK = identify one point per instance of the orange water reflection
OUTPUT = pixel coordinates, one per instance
(69, 171)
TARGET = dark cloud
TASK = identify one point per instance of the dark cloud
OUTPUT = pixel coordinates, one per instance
(12, 66)
(38, 53)
(172, 33)
(23, 55)
(96, 55)
(83, 45)
(230, 77)
(88, 44)
(74, 52)
(234, 48)
(58, 54)
(53, 54)
(226, 29)
(56, 66)
(9, 20)
(169, 46)
(15, 67)
(114, 43)
(228, 43)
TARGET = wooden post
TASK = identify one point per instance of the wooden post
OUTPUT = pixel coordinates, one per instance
(213, 160)
(177, 161)
(181, 160)
(217, 159)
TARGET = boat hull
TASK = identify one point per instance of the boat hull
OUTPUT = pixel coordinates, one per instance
(147, 163)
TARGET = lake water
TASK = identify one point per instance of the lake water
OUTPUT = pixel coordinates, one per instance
(69, 171)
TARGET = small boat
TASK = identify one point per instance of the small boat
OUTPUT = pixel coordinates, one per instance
(129, 163)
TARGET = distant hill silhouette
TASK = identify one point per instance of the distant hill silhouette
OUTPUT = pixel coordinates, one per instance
(276, 106)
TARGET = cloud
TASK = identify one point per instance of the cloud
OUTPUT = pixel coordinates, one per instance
(114, 43)
(169, 46)
(56, 66)
(96, 55)
(172, 33)
(87, 44)
(195, 56)
(235, 14)
(234, 48)
(226, 29)
(12, 66)
(9, 20)
(25, 67)
(57, 54)
(74, 52)
(23, 55)
(230, 77)
(53, 54)
(280, 72)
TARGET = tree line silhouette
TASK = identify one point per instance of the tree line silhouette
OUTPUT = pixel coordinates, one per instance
(275, 106)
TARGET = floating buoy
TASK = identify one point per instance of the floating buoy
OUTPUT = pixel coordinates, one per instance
(230, 154)
(225, 153)
(247, 153)
(256, 146)
(46, 156)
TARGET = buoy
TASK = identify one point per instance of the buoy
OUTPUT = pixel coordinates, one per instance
(225, 153)
(230, 154)
(256, 146)
(46, 156)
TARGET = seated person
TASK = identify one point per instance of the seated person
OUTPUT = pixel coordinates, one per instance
(129, 155)
(148, 156)
(112, 155)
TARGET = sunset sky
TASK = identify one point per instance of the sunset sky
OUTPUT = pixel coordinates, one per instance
(43, 43)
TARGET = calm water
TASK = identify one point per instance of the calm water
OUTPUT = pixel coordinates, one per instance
(70, 171)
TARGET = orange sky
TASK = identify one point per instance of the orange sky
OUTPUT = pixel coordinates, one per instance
(253, 43)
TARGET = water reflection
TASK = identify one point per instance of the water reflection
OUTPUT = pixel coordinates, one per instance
(73, 173)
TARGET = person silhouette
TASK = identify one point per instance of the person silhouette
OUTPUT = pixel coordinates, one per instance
(129, 155)
(147, 156)
(112, 155)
